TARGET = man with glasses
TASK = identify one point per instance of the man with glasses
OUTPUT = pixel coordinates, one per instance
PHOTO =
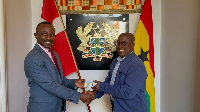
(126, 80)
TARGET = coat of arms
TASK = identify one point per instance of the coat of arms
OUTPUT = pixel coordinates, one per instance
(100, 44)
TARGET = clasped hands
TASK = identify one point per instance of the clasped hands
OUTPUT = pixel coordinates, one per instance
(88, 96)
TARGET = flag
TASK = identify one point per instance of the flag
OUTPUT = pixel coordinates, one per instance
(144, 48)
(61, 44)
(50, 13)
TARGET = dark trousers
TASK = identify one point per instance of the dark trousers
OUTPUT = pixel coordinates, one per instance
(112, 105)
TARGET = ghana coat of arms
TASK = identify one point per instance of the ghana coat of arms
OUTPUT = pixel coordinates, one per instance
(97, 45)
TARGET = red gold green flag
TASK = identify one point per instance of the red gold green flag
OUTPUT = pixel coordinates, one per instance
(144, 48)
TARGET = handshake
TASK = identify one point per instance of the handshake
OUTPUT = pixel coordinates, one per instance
(88, 96)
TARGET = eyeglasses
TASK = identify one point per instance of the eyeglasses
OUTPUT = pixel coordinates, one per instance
(123, 43)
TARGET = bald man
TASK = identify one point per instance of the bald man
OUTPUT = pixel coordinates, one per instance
(126, 80)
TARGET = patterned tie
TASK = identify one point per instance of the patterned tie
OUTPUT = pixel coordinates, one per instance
(114, 73)
(54, 59)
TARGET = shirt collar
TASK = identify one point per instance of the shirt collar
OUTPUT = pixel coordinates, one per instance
(120, 59)
(45, 49)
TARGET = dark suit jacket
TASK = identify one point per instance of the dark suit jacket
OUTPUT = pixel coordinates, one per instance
(129, 88)
(47, 88)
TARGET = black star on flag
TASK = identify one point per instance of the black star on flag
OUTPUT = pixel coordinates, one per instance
(143, 55)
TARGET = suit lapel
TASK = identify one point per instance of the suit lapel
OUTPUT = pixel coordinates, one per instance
(112, 67)
(43, 53)
(123, 64)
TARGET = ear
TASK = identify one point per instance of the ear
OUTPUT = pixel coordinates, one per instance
(35, 35)
(133, 44)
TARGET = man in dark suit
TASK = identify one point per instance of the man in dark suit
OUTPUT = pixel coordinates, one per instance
(49, 89)
(126, 80)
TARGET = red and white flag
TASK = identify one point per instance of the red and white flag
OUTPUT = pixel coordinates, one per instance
(61, 44)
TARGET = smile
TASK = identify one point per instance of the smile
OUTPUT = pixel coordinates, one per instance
(48, 42)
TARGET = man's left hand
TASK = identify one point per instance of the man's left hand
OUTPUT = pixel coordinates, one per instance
(96, 87)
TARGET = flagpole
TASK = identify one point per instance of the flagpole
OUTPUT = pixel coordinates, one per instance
(66, 34)
(70, 48)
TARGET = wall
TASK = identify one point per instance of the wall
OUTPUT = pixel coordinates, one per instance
(22, 17)
(18, 30)
(156, 9)
(180, 52)
(103, 103)
(3, 88)
(176, 53)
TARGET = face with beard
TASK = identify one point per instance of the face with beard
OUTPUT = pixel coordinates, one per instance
(45, 35)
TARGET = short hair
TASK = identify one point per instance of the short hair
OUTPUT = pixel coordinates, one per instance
(44, 22)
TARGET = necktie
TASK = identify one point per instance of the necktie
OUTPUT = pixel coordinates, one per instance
(54, 59)
(114, 73)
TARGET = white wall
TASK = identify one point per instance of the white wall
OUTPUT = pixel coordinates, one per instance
(3, 88)
(177, 53)
(180, 52)
(22, 17)
(102, 104)
(96, 105)
(18, 30)
(156, 10)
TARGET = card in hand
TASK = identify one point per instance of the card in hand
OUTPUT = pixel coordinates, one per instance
(89, 84)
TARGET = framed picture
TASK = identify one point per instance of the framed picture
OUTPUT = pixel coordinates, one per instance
(93, 38)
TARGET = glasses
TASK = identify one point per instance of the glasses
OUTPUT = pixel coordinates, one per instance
(123, 43)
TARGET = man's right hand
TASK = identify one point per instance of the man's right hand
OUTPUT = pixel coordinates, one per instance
(86, 98)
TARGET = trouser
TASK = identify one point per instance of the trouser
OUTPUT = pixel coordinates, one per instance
(63, 108)
(112, 105)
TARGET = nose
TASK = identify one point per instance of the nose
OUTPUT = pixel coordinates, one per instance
(119, 46)
(48, 37)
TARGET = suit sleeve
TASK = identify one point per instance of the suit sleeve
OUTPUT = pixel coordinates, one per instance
(130, 86)
(69, 83)
(36, 70)
(100, 94)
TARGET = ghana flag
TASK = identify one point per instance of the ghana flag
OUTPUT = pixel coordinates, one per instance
(144, 48)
